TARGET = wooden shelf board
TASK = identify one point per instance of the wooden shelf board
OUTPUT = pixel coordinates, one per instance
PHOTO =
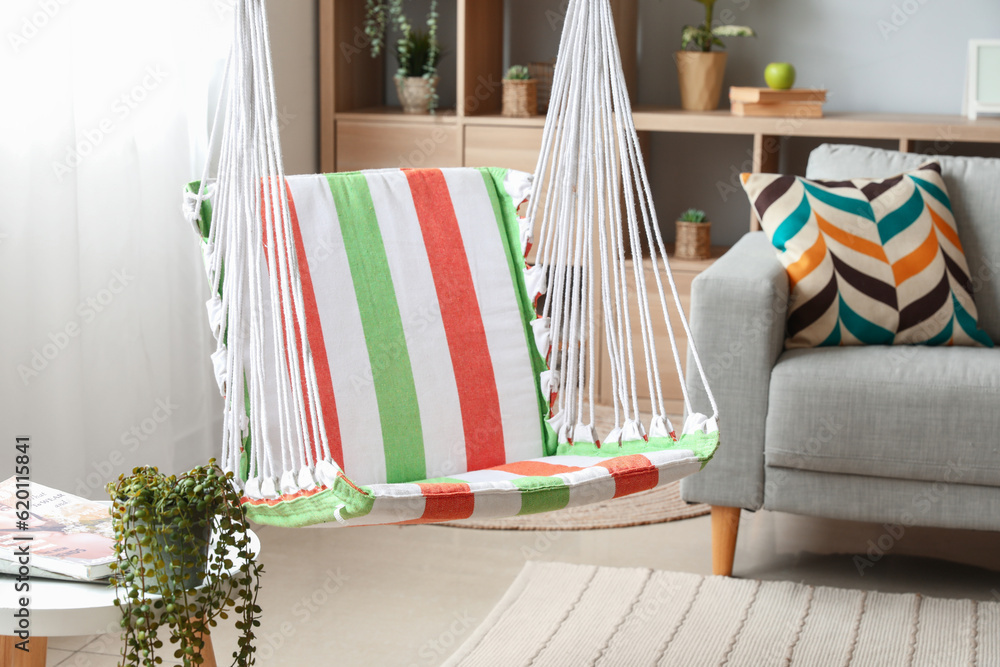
(687, 265)
(920, 127)
(396, 115)
(506, 121)
(697, 265)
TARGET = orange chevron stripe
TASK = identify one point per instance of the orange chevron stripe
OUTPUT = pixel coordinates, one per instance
(805, 264)
(916, 261)
(945, 229)
(855, 243)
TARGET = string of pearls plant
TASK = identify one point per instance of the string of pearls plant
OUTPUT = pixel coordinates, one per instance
(168, 572)
(417, 52)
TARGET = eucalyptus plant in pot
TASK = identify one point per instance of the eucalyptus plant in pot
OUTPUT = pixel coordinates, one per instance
(182, 559)
(699, 69)
(417, 52)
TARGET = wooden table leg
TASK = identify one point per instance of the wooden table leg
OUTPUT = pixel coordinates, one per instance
(10, 656)
(725, 524)
(207, 651)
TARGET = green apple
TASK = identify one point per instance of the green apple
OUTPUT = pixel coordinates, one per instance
(779, 76)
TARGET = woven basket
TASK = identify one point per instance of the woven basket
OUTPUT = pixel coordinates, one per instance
(543, 74)
(520, 98)
(694, 240)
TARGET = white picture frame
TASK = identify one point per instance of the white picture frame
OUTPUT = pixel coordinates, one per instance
(982, 78)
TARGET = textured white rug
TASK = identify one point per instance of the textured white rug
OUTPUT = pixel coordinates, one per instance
(573, 615)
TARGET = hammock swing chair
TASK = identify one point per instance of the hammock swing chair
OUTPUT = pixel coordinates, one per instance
(379, 349)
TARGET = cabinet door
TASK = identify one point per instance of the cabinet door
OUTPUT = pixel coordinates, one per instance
(378, 145)
(497, 146)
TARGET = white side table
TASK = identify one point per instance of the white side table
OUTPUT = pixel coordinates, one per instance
(67, 609)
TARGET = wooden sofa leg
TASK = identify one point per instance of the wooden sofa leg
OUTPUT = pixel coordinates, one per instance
(725, 524)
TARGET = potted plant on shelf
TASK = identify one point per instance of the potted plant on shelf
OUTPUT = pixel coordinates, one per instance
(699, 69)
(694, 236)
(169, 572)
(417, 53)
(520, 93)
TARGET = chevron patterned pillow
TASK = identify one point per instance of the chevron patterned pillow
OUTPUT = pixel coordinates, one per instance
(869, 261)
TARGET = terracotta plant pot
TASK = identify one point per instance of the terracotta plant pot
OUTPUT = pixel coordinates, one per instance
(700, 75)
(415, 93)
(694, 240)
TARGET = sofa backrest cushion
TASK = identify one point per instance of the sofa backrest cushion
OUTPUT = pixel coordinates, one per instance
(974, 186)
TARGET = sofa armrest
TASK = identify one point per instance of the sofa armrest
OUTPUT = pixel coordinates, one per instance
(738, 309)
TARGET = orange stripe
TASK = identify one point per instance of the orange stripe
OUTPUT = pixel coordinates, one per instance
(317, 345)
(805, 264)
(445, 502)
(945, 229)
(271, 502)
(855, 243)
(916, 261)
(462, 319)
(632, 474)
(535, 468)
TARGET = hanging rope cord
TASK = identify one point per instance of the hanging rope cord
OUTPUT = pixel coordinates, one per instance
(589, 166)
(265, 344)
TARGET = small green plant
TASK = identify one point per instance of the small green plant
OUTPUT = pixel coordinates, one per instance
(693, 215)
(704, 36)
(418, 56)
(518, 73)
(418, 53)
(168, 572)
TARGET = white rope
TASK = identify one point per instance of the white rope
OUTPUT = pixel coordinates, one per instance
(263, 338)
(593, 205)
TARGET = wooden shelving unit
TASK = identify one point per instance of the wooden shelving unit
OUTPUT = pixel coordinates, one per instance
(358, 130)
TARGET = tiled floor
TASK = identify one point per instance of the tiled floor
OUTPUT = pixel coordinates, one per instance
(407, 596)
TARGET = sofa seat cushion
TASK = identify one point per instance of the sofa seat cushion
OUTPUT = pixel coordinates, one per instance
(913, 412)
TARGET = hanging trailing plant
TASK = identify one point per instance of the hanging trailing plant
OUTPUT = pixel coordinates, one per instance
(417, 52)
(170, 573)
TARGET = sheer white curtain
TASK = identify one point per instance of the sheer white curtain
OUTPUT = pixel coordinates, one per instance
(104, 348)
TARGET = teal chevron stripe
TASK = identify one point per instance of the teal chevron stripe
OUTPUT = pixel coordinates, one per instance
(943, 336)
(933, 191)
(968, 324)
(833, 340)
(867, 332)
(897, 221)
(792, 225)
(861, 207)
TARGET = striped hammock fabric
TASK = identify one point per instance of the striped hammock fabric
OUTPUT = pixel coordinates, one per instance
(379, 350)
(425, 344)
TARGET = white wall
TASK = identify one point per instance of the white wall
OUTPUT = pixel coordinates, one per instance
(904, 56)
(872, 55)
(294, 42)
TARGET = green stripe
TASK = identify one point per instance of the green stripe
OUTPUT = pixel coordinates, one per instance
(317, 508)
(392, 376)
(541, 494)
(510, 232)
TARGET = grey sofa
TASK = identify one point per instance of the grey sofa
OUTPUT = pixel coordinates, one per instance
(901, 435)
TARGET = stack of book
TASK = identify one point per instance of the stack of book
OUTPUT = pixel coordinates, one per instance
(795, 102)
(70, 537)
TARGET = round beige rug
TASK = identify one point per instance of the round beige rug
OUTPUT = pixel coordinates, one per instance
(654, 506)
